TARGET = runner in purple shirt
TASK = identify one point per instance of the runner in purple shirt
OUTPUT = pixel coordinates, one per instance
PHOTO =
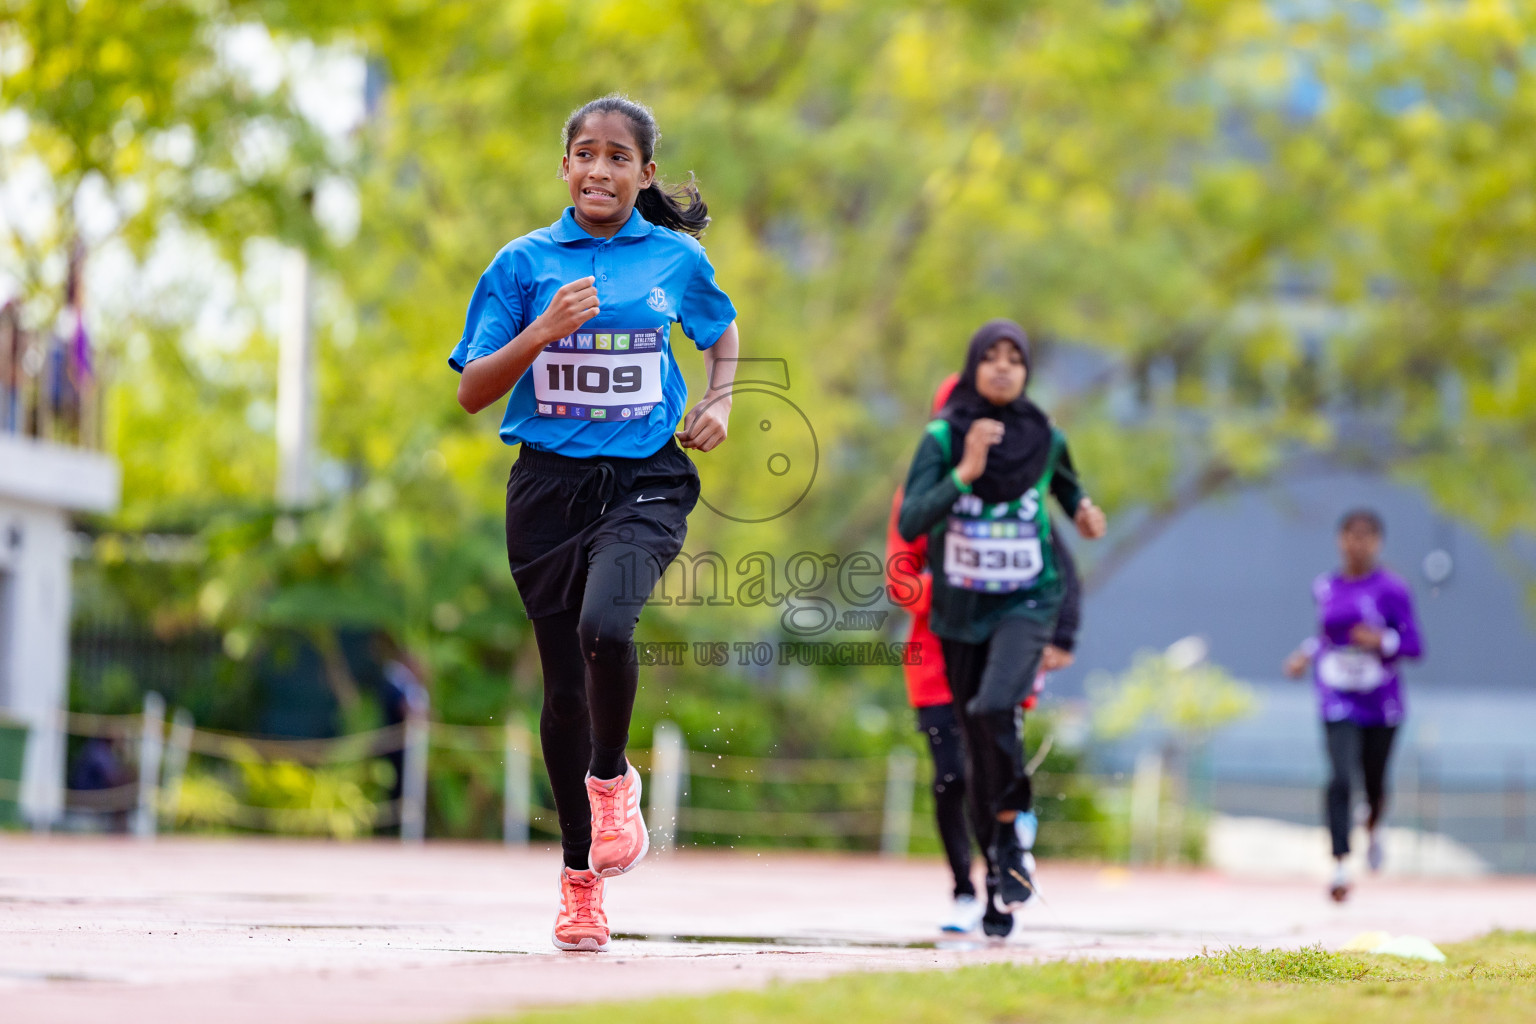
(1366, 627)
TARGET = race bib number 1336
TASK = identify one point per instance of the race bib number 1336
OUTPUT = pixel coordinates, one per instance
(995, 556)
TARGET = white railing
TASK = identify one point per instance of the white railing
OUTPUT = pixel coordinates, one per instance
(154, 800)
(1146, 809)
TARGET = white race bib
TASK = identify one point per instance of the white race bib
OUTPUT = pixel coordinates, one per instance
(1350, 670)
(992, 555)
(608, 375)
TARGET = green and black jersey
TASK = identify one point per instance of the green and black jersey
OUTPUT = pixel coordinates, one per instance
(989, 561)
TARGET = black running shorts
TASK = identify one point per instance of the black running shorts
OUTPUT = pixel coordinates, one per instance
(561, 510)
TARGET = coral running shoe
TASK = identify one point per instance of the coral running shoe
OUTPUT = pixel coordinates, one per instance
(619, 838)
(581, 923)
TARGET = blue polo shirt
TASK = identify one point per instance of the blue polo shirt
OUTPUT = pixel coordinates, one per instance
(612, 387)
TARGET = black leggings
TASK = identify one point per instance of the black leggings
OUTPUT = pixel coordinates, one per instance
(587, 540)
(988, 681)
(1351, 746)
(591, 673)
(938, 723)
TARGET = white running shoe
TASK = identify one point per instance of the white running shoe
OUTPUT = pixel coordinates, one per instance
(1034, 872)
(1027, 825)
(1338, 889)
(964, 915)
(1374, 854)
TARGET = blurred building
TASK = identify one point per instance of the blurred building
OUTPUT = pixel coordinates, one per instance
(1236, 569)
(49, 470)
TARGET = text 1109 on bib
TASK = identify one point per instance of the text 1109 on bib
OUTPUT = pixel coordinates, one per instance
(608, 375)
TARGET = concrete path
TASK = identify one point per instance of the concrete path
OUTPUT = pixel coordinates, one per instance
(241, 931)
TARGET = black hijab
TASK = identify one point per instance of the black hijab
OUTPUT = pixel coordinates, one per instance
(1016, 463)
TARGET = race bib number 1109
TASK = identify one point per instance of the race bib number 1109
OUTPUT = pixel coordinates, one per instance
(608, 375)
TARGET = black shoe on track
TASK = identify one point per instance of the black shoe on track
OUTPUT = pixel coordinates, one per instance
(1015, 883)
(995, 924)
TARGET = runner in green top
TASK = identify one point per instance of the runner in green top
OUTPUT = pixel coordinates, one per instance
(977, 487)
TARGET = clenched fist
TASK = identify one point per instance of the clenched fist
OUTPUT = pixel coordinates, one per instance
(573, 305)
(984, 433)
(1090, 519)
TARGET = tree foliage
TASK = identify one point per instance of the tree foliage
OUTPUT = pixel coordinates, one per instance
(1237, 230)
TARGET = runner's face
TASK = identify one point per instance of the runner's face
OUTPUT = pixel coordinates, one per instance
(1000, 375)
(1359, 547)
(605, 173)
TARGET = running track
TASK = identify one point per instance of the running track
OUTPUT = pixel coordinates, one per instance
(236, 931)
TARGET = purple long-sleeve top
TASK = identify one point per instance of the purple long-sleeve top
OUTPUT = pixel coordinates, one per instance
(1353, 684)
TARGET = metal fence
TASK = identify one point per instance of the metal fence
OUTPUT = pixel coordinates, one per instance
(161, 750)
(1145, 815)
(1490, 811)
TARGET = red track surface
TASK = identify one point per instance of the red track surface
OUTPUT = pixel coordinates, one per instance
(260, 931)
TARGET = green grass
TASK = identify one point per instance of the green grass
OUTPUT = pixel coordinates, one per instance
(1491, 980)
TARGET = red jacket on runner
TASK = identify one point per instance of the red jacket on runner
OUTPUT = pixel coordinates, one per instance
(927, 683)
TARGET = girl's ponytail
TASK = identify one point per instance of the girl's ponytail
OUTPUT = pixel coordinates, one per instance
(664, 205)
(679, 207)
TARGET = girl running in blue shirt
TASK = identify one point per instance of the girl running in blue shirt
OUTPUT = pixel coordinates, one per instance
(574, 320)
